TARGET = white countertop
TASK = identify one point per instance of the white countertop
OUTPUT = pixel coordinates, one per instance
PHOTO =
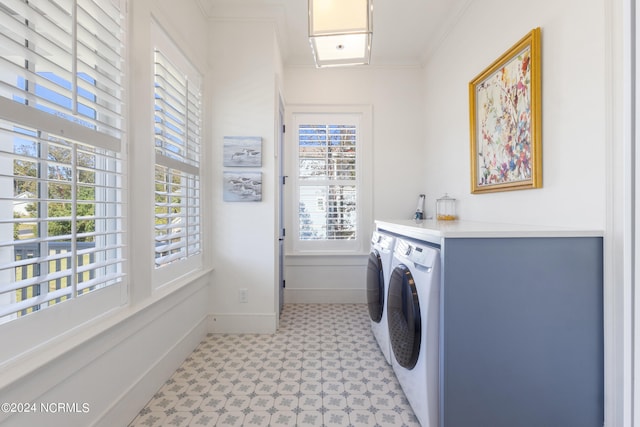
(432, 230)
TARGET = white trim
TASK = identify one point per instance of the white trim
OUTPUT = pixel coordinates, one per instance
(633, 223)
(621, 237)
(324, 296)
(330, 259)
(363, 114)
(243, 323)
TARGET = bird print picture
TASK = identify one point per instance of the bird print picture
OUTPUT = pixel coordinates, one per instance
(242, 151)
(242, 186)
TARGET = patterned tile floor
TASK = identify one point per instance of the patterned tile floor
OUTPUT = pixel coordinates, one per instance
(322, 368)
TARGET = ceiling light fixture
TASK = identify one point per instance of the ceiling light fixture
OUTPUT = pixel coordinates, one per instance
(340, 31)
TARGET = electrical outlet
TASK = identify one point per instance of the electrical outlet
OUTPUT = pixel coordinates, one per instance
(243, 295)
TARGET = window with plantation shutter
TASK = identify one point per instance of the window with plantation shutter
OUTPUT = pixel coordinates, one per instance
(331, 186)
(177, 144)
(61, 163)
(327, 174)
(64, 58)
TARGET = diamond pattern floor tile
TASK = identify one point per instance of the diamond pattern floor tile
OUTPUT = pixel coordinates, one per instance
(322, 368)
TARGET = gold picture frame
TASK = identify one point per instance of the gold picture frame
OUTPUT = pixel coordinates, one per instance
(505, 120)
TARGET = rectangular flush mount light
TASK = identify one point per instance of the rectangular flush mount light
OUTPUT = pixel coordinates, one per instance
(340, 31)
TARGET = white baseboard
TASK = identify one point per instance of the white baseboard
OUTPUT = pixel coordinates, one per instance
(325, 296)
(243, 323)
(137, 395)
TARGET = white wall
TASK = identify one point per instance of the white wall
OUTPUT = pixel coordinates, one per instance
(573, 110)
(396, 95)
(583, 161)
(243, 90)
(397, 100)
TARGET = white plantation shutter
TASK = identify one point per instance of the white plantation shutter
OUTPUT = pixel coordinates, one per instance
(177, 215)
(63, 57)
(177, 143)
(327, 181)
(67, 234)
(61, 166)
(328, 212)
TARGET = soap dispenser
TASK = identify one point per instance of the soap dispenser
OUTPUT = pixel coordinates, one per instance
(419, 215)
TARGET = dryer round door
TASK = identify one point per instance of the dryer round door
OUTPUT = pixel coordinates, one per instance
(375, 286)
(403, 315)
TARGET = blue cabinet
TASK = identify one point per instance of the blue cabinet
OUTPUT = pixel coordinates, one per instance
(521, 323)
(522, 332)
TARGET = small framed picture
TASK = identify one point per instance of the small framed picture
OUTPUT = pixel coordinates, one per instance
(242, 151)
(242, 186)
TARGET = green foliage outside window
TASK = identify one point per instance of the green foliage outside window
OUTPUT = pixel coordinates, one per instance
(58, 198)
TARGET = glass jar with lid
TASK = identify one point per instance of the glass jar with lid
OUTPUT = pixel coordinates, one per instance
(446, 208)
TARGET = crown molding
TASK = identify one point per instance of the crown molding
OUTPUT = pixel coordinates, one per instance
(442, 33)
(228, 11)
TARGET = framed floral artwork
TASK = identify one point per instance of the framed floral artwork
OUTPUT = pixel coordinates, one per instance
(505, 120)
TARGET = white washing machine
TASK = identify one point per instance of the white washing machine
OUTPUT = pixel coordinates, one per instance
(378, 273)
(413, 311)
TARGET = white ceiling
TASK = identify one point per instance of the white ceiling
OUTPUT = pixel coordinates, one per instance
(405, 32)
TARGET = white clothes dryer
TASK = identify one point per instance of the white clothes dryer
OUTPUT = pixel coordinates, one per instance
(378, 273)
(413, 312)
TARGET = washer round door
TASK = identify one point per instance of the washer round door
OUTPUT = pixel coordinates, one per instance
(403, 315)
(375, 286)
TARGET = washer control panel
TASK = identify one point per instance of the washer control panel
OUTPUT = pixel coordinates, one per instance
(416, 253)
(382, 241)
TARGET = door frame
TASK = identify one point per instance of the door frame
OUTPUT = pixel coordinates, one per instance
(281, 202)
